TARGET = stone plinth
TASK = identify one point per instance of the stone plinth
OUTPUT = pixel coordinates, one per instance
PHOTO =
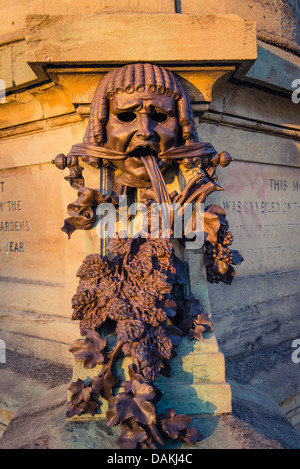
(197, 384)
(135, 37)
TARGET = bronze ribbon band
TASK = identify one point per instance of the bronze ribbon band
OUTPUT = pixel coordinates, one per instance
(83, 211)
(192, 150)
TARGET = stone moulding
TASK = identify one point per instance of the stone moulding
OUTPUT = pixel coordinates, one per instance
(144, 37)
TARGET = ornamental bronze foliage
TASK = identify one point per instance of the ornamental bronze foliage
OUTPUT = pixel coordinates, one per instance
(139, 296)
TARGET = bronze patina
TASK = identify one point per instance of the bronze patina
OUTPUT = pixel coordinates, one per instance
(141, 123)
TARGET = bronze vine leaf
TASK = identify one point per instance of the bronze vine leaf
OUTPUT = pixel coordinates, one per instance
(83, 301)
(216, 209)
(129, 330)
(120, 246)
(228, 277)
(91, 349)
(166, 369)
(93, 266)
(150, 351)
(104, 383)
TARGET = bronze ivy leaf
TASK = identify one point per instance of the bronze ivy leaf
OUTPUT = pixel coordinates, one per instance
(143, 390)
(170, 307)
(191, 435)
(237, 257)
(174, 334)
(211, 226)
(124, 406)
(132, 435)
(104, 383)
(201, 324)
(134, 375)
(173, 424)
(90, 349)
(79, 392)
(112, 418)
(81, 399)
(133, 403)
(147, 444)
(194, 305)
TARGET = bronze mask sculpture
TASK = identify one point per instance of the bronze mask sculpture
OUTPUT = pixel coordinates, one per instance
(141, 123)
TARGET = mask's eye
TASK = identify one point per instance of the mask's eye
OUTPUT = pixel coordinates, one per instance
(159, 116)
(126, 116)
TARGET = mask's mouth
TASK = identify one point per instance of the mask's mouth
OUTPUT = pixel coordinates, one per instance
(143, 151)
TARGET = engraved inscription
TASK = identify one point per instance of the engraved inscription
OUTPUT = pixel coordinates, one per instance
(11, 221)
(263, 211)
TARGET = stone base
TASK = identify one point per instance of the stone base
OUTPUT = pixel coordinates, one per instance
(197, 384)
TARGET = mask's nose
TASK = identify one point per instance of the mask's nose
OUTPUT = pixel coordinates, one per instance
(145, 127)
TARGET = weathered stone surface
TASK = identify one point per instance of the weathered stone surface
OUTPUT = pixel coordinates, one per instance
(13, 15)
(257, 325)
(277, 22)
(264, 369)
(291, 408)
(6, 66)
(41, 103)
(21, 72)
(246, 144)
(144, 37)
(274, 68)
(40, 335)
(261, 306)
(260, 107)
(38, 262)
(256, 421)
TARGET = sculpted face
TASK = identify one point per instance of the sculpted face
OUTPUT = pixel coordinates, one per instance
(140, 124)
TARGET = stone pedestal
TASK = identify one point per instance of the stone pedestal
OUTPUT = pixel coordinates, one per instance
(197, 384)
